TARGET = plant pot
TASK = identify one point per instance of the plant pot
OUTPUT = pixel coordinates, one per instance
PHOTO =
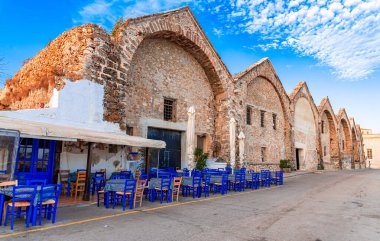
(286, 170)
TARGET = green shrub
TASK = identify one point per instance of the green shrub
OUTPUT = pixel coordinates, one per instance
(200, 159)
(285, 164)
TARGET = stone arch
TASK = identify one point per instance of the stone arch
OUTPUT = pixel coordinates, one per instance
(345, 134)
(356, 144)
(330, 152)
(264, 70)
(181, 28)
(360, 145)
(307, 141)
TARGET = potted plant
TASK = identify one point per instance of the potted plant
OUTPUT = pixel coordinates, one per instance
(285, 166)
(200, 159)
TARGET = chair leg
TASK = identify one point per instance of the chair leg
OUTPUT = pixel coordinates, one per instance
(6, 215)
(54, 214)
(12, 217)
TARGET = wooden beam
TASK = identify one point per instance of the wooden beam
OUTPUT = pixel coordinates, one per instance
(86, 195)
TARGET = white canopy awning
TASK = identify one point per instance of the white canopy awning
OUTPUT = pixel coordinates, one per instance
(61, 132)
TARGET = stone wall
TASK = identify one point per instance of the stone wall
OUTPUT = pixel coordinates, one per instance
(260, 88)
(329, 137)
(161, 69)
(64, 57)
(261, 96)
(305, 127)
(345, 140)
(113, 62)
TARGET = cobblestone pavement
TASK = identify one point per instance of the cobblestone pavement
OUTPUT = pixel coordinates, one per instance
(341, 205)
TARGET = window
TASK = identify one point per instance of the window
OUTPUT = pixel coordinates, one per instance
(369, 153)
(274, 121)
(200, 142)
(324, 151)
(263, 154)
(129, 130)
(262, 118)
(169, 109)
(323, 127)
(249, 114)
(343, 145)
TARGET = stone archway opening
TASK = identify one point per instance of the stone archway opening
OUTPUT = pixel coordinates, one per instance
(346, 145)
(329, 139)
(355, 149)
(305, 141)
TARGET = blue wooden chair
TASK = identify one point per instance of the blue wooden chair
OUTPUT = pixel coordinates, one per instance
(242, 181)
(143, 177)
(254, 181)
(278, 178)
(195, 187)
(163, 175)
(185, 172)
(206, 185)
(98, 182)
(48, 202)
(222, 186)
(22, 197)
(127, 195)
(164, 189)
(38, 182)
(234, 184)
(126, 174)
(265, 178)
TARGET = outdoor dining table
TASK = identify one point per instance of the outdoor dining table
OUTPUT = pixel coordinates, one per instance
(113, 185)
(156, 183)
(8, 191)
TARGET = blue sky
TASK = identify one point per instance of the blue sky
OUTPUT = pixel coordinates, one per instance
(333, 45)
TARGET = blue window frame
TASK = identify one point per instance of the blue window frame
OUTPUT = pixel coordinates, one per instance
(35, 159)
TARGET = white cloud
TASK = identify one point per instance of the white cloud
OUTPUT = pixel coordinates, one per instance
(217, 32)
(343, 34)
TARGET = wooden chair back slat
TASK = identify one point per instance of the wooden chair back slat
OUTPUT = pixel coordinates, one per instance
(9, 183)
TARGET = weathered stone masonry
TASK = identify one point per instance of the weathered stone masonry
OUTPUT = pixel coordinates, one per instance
(168, 55)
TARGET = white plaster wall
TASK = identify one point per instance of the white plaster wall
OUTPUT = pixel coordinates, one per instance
(79, 104)
(372, 142)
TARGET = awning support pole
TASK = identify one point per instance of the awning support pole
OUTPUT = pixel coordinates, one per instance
(86, 195)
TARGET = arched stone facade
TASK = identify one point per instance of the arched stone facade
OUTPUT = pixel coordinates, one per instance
(168, 55)
(328, 127)
(260, 89)
(356, 145)
(305, 128)
(345, 137)
(125, 64)
(361, 147)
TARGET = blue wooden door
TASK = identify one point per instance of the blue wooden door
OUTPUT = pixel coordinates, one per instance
(171, 155)
(35, 159)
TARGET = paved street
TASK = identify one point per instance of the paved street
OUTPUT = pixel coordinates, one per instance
(342, 205)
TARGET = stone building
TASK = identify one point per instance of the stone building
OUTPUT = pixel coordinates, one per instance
(306, 137)
(157, 71)
(264, 114)
(345, 137)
